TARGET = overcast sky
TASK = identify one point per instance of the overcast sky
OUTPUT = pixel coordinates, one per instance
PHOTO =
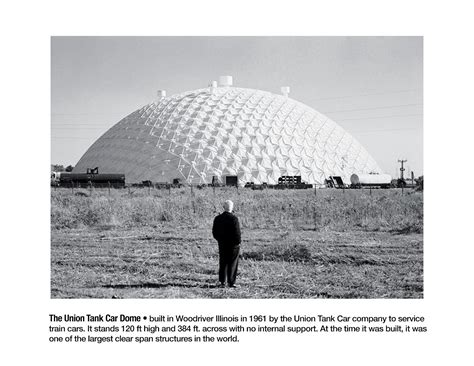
(371, 86)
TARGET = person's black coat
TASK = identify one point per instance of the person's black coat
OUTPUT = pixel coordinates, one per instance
(226, 229)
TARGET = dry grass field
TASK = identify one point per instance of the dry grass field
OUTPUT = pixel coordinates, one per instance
(296, 244)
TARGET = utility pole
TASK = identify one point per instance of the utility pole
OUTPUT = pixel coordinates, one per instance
(402, 169)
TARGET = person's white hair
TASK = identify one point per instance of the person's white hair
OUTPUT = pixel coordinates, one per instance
(228, 206)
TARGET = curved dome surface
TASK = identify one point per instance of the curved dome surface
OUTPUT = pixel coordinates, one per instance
(256, 135)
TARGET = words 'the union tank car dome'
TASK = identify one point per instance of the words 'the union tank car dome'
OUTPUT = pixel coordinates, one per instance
(224, 130)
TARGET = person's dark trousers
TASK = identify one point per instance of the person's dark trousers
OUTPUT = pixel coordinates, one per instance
(228, 264)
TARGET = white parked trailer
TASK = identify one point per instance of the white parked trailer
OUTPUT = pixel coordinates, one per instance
(371, 180)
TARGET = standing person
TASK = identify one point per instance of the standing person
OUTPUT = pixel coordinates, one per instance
(226, 230)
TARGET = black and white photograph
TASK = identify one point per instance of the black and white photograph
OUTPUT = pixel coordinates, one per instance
(230, 167)
(240, 183)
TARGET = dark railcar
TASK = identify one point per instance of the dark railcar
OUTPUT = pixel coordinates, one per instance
(231, 180)
(86, 180)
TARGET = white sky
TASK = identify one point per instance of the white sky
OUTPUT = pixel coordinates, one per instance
(371, 86)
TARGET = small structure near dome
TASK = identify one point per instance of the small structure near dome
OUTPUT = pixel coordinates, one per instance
(213, 86)
(161, 94)
(285, 90)
(225, 80)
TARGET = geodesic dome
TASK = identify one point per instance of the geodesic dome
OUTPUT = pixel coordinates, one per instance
(219, 131)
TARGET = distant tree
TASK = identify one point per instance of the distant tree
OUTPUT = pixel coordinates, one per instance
(57, 168)
(419, 183)
(69, 168)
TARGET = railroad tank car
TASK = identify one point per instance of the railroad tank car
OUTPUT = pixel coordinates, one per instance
(371, 180)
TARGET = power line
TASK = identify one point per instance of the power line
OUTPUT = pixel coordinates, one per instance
(325, 98)
(83, 114)
(106, 124)
(370, 94)
(387, 130)
(374, 108)
(339, 111)
(339, 119)
(402, 169)
(353, 131)
(83, 124)
(392, 116)
(72, 137)
(82, 128)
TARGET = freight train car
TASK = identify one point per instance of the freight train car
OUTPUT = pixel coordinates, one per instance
(86, 180)
(371, 180)
(292, 182)
(284, 182)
